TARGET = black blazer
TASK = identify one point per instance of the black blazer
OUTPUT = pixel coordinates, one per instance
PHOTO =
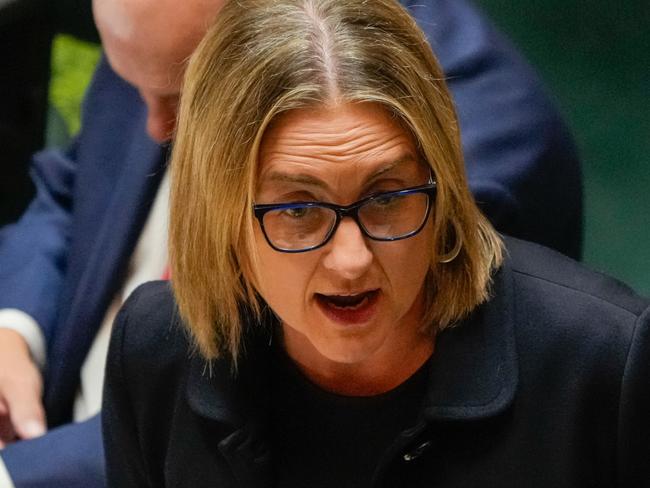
(546, 385)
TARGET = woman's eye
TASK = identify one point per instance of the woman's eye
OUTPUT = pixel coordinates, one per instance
(297, 213)
(385, 200)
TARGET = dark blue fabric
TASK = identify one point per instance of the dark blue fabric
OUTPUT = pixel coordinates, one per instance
(66, 258)
(67, 457)
(521, 163)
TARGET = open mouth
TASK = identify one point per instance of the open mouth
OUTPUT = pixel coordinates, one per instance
(349, 308)
(352, 302)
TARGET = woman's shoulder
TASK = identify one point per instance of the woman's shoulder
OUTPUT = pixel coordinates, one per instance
(148, 332)
(567, 315)
(548, 276)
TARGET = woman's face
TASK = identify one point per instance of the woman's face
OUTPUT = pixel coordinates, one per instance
(354, 301)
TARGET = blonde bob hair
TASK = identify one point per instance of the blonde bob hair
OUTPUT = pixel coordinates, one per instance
(262, 58)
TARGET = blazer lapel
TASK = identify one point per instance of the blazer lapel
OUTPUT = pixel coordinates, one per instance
(474, 372)
(239, 401)
(102, 273)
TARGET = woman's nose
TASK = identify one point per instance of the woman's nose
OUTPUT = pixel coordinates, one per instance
(348, 253)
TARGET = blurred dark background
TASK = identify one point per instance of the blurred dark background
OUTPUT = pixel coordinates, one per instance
(595, 59)
(27, 30)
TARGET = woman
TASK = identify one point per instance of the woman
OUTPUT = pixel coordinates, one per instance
(323, 244)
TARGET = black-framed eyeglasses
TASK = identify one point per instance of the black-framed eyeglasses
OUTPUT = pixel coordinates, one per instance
(305, 226)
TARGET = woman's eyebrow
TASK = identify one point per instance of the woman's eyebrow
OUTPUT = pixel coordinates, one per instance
(388, 167)
(309, 180)
(303, 179)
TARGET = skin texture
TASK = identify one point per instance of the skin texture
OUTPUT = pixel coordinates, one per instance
(21, 412)
(341, 154)
(147, 43)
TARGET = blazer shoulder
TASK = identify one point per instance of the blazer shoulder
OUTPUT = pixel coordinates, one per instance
(149, 332)
(553, 274)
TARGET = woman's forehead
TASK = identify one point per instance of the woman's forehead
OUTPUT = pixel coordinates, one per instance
(351, 138)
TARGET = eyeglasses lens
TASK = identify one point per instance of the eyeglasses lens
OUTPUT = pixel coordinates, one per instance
(391, 217)
(298, 227)
(385, 217)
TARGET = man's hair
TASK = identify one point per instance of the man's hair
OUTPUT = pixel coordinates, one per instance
(263, 58)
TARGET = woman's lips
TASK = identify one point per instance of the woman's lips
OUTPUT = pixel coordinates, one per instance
(349, 309)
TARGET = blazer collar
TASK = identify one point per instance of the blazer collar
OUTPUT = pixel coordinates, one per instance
(473, 373)
(234, 395)
(238, 400)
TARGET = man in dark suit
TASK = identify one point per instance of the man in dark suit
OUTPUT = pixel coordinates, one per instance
(68, 263)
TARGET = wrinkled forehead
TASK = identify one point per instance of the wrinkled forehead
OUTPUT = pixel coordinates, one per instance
(337, 131)
(340, 150)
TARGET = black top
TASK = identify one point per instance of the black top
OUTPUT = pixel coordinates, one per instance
(321, 439)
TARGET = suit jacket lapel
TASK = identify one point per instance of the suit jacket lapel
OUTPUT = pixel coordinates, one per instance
(103, 272)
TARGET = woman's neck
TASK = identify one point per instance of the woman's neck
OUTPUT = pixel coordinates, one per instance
(372, 377)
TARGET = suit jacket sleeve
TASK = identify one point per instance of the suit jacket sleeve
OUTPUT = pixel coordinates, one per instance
(70, 456)
(33, 252)
(634, 410)
(521, 162)
(37, 267)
